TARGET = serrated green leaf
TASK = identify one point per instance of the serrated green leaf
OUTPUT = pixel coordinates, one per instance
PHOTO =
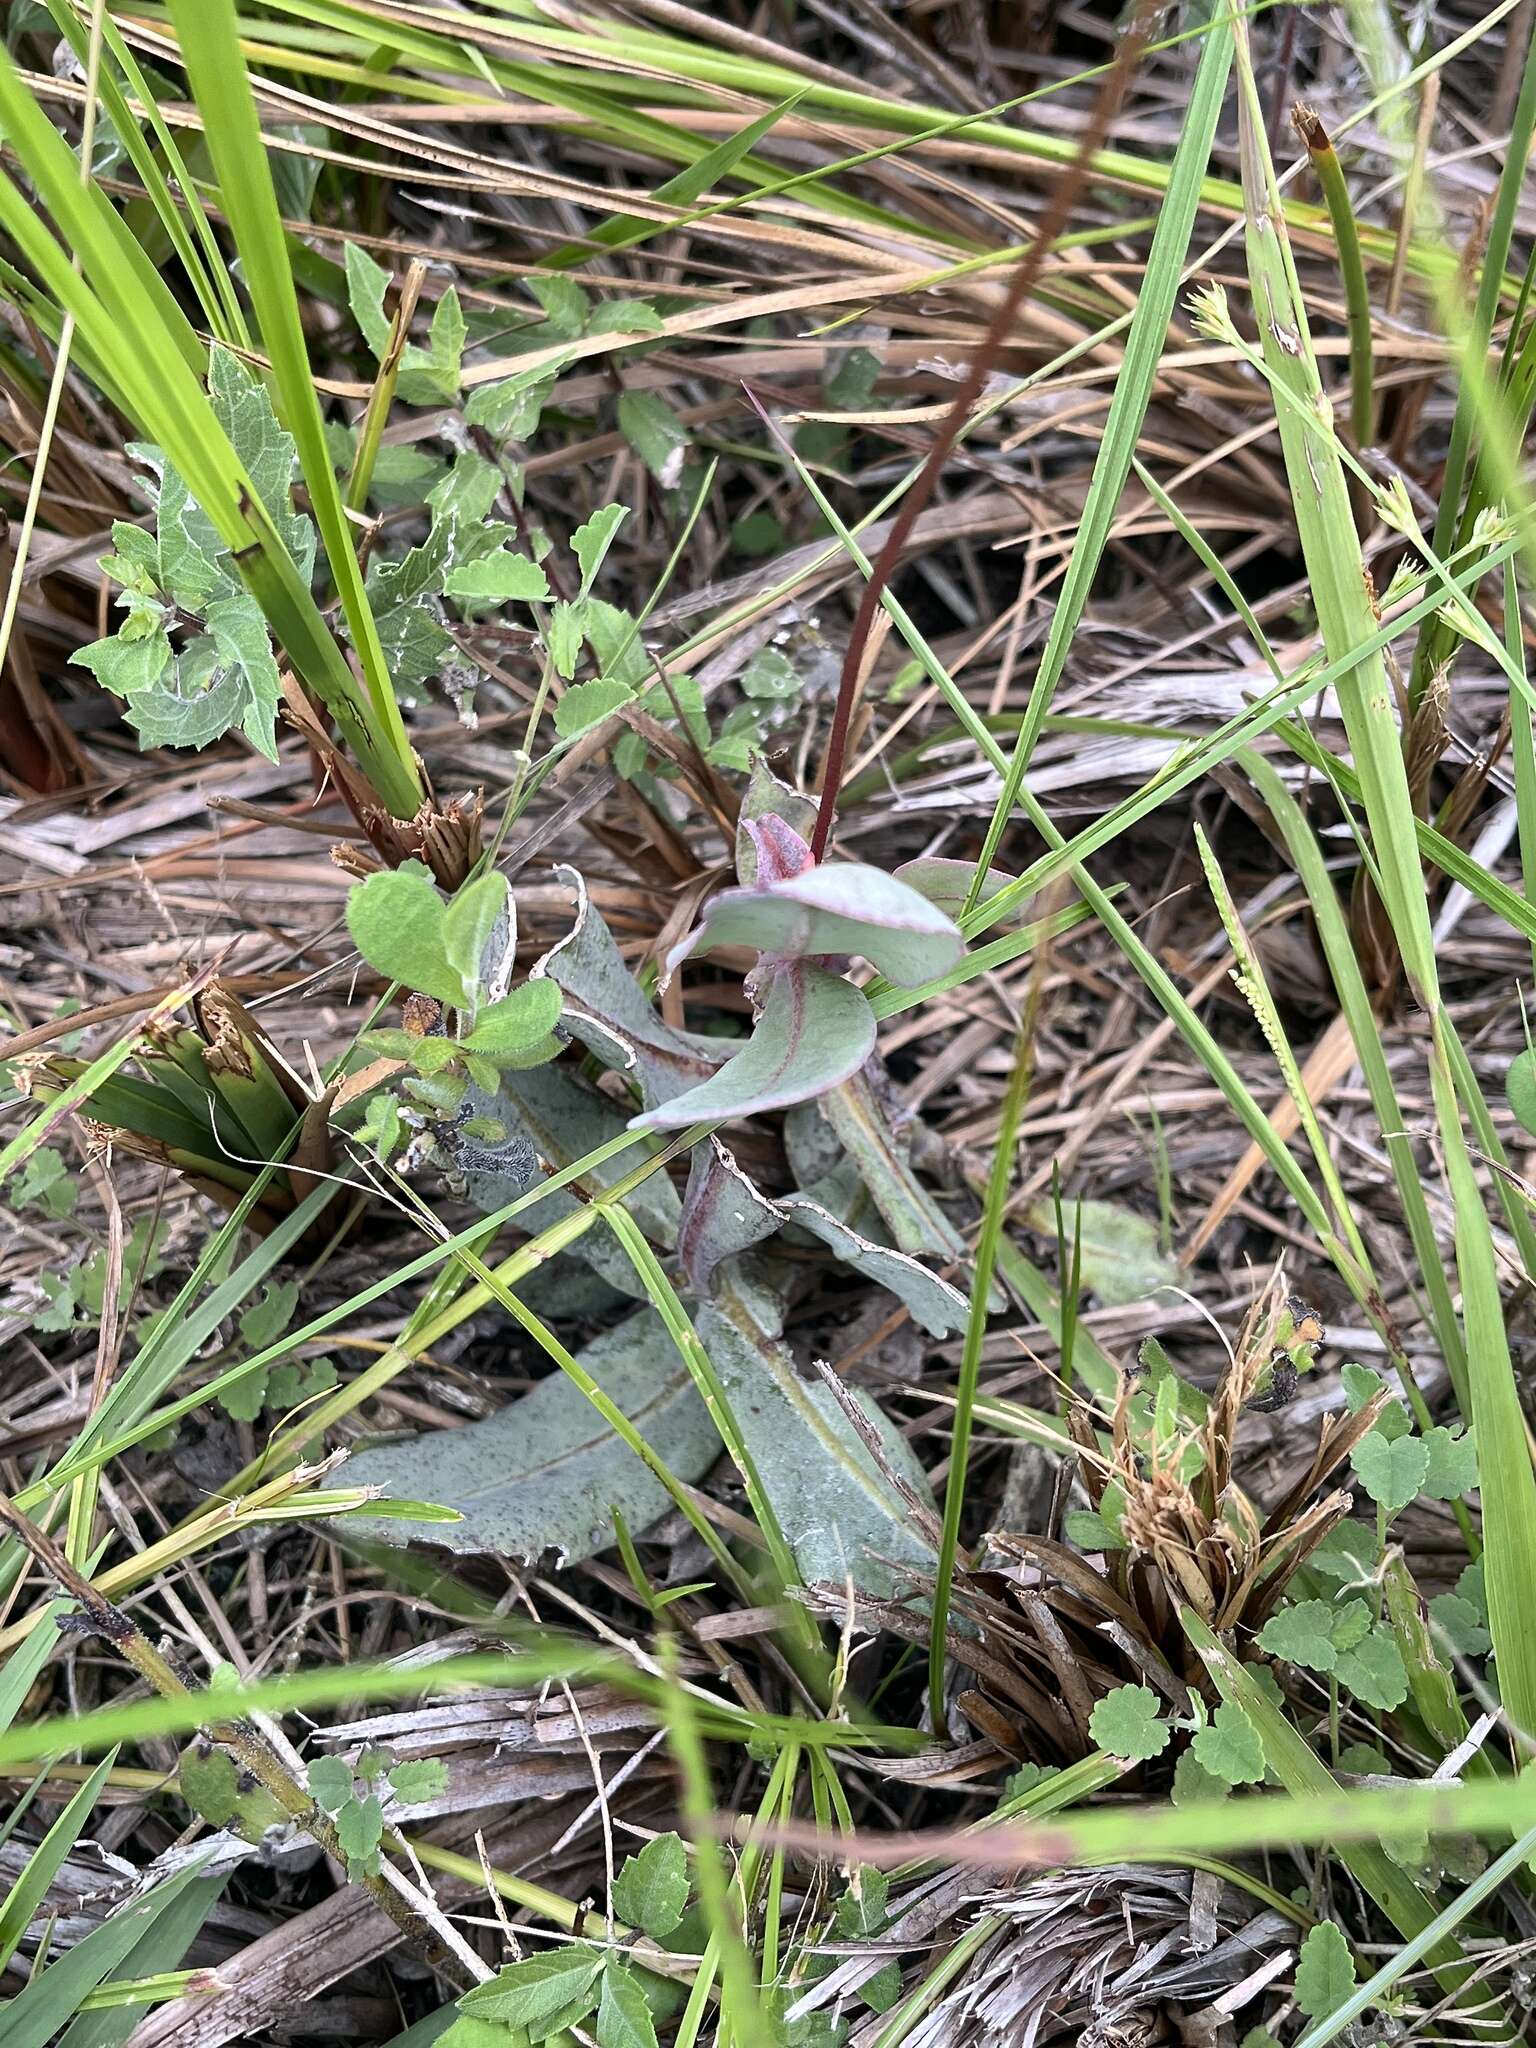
(1360, 1385)
(651, 1890)
(540, 1988)
(367, 283)
(463, 500)
(1374, 1671)
(592, 540)
(564, 637)
(1301, 1635)
(360, 1829)
(566, 306)
(510, 411)
(196, 705)
(656, 434)
(1325, 1972)
(1192, 1782)
(396, 923)
(624, 2013)
(126, 667)
(1460, 1623)
(1128, 1723)
(587, 704)
(239, 632)
(1452, 1463)
(503, 578)
(1351, 1624)
(1229, 1746)
(1392, 1473)
(862, 1910)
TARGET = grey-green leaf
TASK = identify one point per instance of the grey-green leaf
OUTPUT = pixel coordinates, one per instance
(841, 1515)
(933, 1303)
(814, 1030)
(547, 1473)
(836, 908)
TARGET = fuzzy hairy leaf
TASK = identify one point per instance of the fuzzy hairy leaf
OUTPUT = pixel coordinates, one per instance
(396, 923)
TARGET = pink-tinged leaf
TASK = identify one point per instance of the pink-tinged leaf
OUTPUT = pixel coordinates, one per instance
(841, 908)
(724, 1213)
(781, 853)
(813, 1030)
(767, 797)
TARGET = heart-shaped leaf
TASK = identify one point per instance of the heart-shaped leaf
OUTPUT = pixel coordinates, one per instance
(814, 1029)
(396, 922)
(841, 908)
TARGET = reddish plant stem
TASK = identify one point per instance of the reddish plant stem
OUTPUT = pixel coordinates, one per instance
(1057, 214)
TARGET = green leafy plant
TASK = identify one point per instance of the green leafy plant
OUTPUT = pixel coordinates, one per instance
(350, 1795)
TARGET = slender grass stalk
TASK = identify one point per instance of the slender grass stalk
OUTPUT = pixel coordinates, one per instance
(370, 434)
(1127, 411)
(1357, 296)
(1345, 615)
(209, 37)
(993, 1216)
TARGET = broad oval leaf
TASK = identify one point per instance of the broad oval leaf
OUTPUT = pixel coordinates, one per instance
(396, 922)
(948, 883)
(468, 923)
(842, 908)
(518, 1021)
(725, 1213)
(813, 1031)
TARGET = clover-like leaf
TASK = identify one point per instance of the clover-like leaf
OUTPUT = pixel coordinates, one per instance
(592, 540)
(396, 923)
(834, 908)
(813, 1031)
(1301, 1634)
(1128, 1723)
(1392, 1472)
(651, 1890)
(1374, 1671)
(330, 1782)
(1325, 1973)
(420, 1779)
(1452, 1463)
(1229, 1746)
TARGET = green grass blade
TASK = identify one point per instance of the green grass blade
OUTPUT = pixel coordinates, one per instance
(1345, 615)
(209, 35)
(1155, 299)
